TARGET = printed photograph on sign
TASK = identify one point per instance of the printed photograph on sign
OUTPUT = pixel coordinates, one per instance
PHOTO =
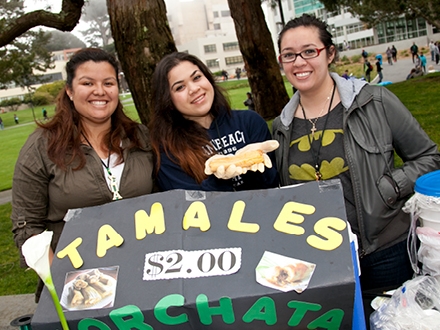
(90, 288)
(283, 273)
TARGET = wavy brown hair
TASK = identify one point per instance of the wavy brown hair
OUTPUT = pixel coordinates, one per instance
(181, 139)
(64, 130)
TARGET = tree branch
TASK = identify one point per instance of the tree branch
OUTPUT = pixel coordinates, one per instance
(65, 20)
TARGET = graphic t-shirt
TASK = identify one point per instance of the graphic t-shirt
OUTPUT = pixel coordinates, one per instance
(326, 150)
(228, 133)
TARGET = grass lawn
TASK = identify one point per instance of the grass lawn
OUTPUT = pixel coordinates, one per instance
(420, 95)
(13, 279)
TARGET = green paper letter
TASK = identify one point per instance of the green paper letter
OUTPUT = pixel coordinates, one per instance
(205, 312)
(331, 320)
(301, 309)
(160, 310)
(85, 324)
(129, 317)
(263, 309)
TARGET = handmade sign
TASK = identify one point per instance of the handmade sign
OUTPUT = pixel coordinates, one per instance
(264, 259)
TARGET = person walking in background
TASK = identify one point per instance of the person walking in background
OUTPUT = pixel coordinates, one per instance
(249, 102)
(414, 51)
(44, 114)
(432, 50)
(418, 61)
(2, 126)
(394, 52)
(90, 153)
(379, 70)
(333, 128)
(423, 62)
(225, 75)
(389, 53)
(379, 57)
(192, 121)
(367, 69)
(364, 54)
(437, 52)
(345, 75)
(15, 118)
(238, 73)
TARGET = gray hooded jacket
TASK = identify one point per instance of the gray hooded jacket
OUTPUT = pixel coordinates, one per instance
(375, 124)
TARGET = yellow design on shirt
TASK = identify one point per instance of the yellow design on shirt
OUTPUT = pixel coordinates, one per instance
(304, 141)
(328, 170)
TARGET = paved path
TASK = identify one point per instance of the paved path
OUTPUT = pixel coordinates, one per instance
(396, 72)
(12, 307)
(5, 197)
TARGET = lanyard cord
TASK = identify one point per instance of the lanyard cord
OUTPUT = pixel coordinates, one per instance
(318, 174)
(107, 167)
(113, 185)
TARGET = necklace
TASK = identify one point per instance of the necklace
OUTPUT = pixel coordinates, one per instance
(318, 175)
(113, 185)
(313, 121)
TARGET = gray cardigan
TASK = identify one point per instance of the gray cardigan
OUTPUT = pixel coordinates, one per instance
(376, 124)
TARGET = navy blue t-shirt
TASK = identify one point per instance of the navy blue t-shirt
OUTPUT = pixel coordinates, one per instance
(228, 134)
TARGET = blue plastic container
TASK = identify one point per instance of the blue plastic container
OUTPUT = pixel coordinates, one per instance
(428, 186)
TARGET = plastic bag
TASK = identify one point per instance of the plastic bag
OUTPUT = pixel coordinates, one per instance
(414, 206)
(414, 306)
(429, 250)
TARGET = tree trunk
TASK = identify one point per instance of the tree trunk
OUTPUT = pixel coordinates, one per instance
(142, 37)
(258, 52)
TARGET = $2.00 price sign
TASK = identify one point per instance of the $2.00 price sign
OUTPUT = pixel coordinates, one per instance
(164, 265)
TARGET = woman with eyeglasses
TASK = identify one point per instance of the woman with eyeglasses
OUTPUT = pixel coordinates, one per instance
(334, 128)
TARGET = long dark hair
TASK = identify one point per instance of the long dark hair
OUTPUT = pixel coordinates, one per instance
(311, 21)
(65, 128)
(181, 139)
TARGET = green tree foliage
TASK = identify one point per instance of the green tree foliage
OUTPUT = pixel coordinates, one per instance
(63, 40)
(52, 88)
(25, 55)
(373, 12)
(96, 14)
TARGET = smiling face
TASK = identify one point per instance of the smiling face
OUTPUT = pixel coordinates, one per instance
(191, 93)
(94, 92)
(306, 75)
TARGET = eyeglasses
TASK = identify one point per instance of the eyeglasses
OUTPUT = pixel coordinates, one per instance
(305, 54)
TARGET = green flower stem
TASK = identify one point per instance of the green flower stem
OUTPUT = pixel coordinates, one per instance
(48, 282)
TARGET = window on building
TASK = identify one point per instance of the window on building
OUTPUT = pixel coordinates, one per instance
(215, 14)
(225, 13)
(217, 26)
(233, 60)
(210, 48)
(212, 63)
(230, 46)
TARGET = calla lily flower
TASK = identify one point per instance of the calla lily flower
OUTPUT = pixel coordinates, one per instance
(36, 253)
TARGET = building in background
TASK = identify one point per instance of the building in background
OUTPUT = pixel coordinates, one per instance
(58, 72)
(209, 31)
(205, 29)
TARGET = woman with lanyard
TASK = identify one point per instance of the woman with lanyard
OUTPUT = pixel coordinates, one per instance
(192, 121)
(349, 130)
(88, 154)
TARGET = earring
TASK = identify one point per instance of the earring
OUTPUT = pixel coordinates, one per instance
(71, 98)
